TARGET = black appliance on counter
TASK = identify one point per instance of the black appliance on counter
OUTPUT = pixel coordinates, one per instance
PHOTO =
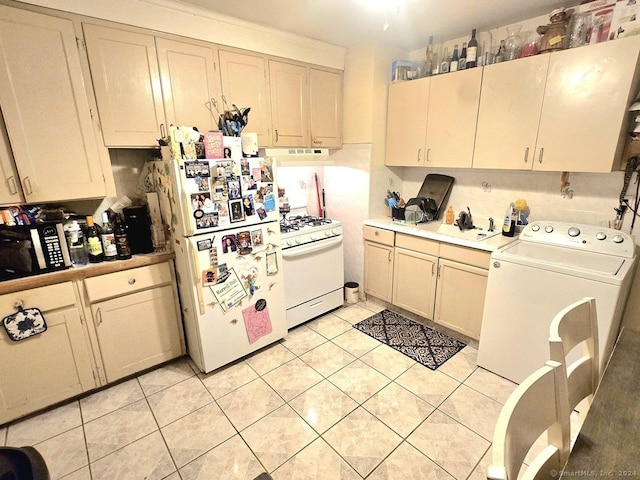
(138, 223)
(430, 201)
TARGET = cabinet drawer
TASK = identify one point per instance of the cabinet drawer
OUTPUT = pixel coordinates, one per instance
(46, 298)
(379, 235)
(470, 256)
(128, 281)
(417, 244)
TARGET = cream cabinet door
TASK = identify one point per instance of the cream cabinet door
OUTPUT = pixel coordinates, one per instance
(407, 109)
(137, 331)
(460, 297)
(45, 108)
(126, 80)
(189, 83)
(325, 101)
(510, 107)
(585, 106)
(289, 104)
(48, 368)
(414, 281)
(10, 188)
(452, 118)
(378, 270)
(244, 83)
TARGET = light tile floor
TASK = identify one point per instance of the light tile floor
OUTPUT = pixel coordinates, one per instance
(327, 402)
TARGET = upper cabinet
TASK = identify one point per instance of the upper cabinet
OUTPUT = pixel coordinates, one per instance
(189, 83)
(126, 80)
(325, 103)
(452, 118)
(244, 83)
(43, 97)
(289, 104)
(407, 123)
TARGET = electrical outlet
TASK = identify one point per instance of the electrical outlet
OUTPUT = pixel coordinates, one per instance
(390, 182)
(303, 184)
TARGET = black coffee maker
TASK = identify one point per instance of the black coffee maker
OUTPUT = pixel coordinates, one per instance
(139, 224)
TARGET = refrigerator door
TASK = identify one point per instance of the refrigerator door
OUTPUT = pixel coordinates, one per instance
(209, 195)
(232, 293)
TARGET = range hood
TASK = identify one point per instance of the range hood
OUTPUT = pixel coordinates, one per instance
(300, 157)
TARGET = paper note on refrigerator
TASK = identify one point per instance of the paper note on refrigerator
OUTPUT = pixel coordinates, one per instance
(257, 322)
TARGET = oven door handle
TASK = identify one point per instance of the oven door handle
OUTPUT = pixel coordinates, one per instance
(311, 248)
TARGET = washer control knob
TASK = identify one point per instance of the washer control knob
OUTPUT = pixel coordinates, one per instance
(618, 239)
(535, 227)
(574, 231)
(548, 229)
(601, 236)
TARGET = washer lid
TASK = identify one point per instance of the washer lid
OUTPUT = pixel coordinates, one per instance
(561, 259)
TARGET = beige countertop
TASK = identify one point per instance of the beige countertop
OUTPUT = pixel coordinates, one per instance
(91, 270)
(446, 233)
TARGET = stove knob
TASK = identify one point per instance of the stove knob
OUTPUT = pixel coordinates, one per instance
(535, 227)
(327, 233)
(288, 242)
(574, 231)
(618, 239)
(312, 237)
(601, 236)
(297, 240)
(548, 229)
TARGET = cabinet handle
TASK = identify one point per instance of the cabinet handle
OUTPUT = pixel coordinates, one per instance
(389, 257)
(132, 281)
(317, 142)
(433, 268)
(18, 305)
(27, 185)
(276, 135)
(376, 233)
(419, 152)
(162, 131)
(98, 317)
(13, 186)
(540, 156)
(526, 154)
(438, 271)
(428, 153)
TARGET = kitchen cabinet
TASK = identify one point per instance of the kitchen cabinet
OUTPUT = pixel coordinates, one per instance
(452, 118)
(244, 83)
(126, 80)
(52, 366)
(325, 104)
(462, 285)
(10, 188)
(414, 274)
(43, 97)
(289, 104)
(378, 262)
(189, 83)
(510, 108)
(136, 317)
(407, 123)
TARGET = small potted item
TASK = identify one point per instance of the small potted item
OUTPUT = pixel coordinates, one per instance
(554, 34)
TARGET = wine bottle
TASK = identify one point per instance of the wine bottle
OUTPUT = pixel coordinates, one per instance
(444, 65)
(429, 57)
(472, 50)
(453, 67)
(122, 239)
(462, 63)
(94, 245)
(108, 238)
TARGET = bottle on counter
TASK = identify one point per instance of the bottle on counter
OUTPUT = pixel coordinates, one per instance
(510, 219)
(462, 63)
(108, 238)
(94, 244)
(75, 242)
(472, 50)
(157, 235)
(450, 214)
(453, 67)
(122, 239)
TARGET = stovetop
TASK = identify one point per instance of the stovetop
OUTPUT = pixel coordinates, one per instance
(298, 230)
(294, 223)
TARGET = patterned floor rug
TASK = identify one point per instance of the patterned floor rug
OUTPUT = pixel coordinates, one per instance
(423, 344)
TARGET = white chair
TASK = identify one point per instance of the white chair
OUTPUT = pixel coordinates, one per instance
(577, 325)
(538, 405)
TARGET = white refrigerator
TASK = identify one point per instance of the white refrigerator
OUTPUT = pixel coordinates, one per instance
(224, 228)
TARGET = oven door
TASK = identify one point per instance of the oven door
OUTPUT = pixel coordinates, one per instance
(311, 272)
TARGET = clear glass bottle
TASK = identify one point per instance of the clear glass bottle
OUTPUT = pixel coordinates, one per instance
(501, 55)
(513, 43)
(444, 64)
(429, 58)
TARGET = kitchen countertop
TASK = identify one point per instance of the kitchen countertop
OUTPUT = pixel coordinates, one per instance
(430, 230)
(91, 270)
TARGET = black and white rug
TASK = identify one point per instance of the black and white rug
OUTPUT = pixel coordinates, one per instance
(423, 344)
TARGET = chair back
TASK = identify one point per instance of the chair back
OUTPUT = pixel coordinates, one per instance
(577, 324)
(538, 405)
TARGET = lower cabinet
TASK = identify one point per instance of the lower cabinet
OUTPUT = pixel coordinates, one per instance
(52, 366)
(136, 319)
(378, 262)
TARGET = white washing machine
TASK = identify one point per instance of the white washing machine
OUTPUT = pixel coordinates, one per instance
(551, 265)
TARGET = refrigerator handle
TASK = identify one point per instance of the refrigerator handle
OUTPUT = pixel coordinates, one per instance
(197, 281)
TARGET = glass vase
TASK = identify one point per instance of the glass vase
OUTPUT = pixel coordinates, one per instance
(513, 42)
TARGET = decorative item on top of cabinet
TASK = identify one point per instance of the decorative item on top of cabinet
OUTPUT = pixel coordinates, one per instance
(56, 155)
(136, 317)
(378, 262)
(45, 369)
